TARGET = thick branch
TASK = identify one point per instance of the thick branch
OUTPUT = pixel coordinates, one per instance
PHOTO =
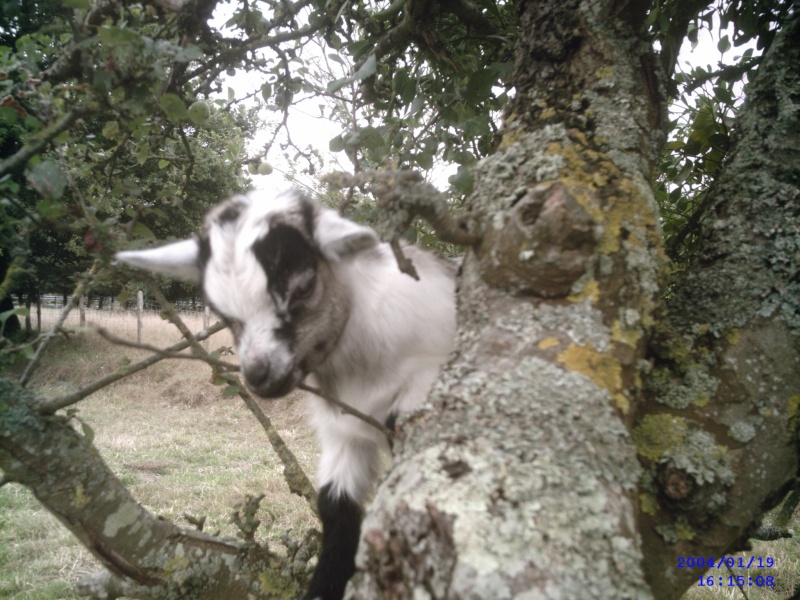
(725, 372)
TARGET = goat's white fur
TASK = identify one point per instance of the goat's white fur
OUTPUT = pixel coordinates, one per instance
(398, 331)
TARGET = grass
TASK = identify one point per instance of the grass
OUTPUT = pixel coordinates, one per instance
(183, 449)
(170, 437)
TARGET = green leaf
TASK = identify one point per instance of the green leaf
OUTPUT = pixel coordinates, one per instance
(463, 181)
(266, 92)
(173, 107)
(47, 179)
(111, 129)
(51, 209)
(142, 230)
(337, 84)
(189, 53)
(230, 391)
(370, 138)
(724, 44)
(480, 84)
(336, 144)
(163, 164)
(424, 160)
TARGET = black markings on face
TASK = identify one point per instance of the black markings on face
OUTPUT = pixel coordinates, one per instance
(284, 254)
(204, 254)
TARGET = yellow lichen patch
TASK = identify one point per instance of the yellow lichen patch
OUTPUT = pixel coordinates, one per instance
(658, 435)
(622, 402)
(604, 72)
(548, 342)
(276, 586)
(625, 335)
(81, 499)
(649, 503)
(591, 290)
(624, 208)
(510, 137)
(548, 113)
(733, 336)
(600, 367)
(684, 531)
(176, 563)
(794, 405)
(702, 401)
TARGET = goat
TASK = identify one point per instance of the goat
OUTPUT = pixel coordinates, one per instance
(309, 294)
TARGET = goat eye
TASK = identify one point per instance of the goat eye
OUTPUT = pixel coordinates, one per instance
(302, 292)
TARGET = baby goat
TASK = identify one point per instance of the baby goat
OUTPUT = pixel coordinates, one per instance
(310, 294)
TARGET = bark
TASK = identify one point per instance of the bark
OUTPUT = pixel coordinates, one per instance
(581, 438)
(519, 477)
(146, 557)
(725, 380)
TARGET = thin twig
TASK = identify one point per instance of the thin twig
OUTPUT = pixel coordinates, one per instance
(55, 404)
(741, 588)
(346, 408)
(165, 352)
(295, 476)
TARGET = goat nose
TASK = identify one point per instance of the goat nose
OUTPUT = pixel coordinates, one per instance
(257, 374)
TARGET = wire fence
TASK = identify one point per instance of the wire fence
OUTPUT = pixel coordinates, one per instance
(138, 321)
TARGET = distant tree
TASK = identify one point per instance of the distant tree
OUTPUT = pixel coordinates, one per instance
(625, 388)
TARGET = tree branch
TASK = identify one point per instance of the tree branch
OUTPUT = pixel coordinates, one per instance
(404, 195)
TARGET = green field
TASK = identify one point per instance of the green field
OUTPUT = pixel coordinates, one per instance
(183, 449)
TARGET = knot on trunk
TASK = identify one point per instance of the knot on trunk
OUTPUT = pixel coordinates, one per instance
(541, 246)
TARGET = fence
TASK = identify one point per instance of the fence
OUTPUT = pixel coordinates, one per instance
(121, 318)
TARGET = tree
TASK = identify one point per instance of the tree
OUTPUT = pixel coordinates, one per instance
(602, 414)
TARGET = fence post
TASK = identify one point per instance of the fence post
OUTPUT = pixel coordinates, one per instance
(139, 311)
(206, 323)
(82, 310)
(38, 313)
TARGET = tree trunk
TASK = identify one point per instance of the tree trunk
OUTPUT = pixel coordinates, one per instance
(520, 477)
(719, 433)
(519, 480)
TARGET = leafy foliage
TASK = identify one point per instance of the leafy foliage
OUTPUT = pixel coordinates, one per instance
(707, 101)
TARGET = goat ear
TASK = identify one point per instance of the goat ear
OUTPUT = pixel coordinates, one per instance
(178, 260)
(339, 238)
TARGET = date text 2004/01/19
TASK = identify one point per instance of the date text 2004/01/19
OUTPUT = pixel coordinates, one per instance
(730, 562)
